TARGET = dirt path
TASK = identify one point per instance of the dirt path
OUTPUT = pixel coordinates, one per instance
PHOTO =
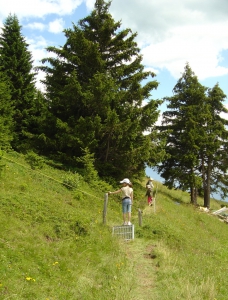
(141, 254)
(144, 269)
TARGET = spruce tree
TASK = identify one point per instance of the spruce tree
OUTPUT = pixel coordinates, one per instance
(6, 114)
(196, 144)
(94, 85)
(16, 62)
(214, 146)
(181, 124)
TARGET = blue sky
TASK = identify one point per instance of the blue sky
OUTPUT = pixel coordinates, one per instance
(170, 34)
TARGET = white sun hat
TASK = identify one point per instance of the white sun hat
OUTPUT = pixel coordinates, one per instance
(125, 180)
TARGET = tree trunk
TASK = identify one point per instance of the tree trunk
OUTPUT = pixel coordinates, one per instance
(207, 186)
(193, 195)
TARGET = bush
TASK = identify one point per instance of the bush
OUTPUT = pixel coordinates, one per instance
(71, 180)
(34, 160)
(87, 161)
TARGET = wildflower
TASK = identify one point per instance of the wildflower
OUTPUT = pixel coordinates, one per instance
(55, 263)
(30, 279)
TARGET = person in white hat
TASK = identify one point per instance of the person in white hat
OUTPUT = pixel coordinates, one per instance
(127, 199)
(149, 191)
(149, 195)
(150, 182)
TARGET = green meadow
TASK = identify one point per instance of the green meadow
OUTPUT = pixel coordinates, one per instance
(54, 245)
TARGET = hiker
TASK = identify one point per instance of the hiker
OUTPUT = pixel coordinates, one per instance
(127, 199)
(149, 194)
(149, 191)
(150, 182)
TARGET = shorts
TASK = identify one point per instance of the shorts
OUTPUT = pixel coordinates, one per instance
(126, 205)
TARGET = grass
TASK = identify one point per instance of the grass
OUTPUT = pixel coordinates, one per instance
(190, 256)
(54, 245)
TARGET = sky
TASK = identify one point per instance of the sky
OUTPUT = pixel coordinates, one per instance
(169, 34)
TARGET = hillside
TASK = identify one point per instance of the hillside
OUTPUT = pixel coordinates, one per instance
(54, 245)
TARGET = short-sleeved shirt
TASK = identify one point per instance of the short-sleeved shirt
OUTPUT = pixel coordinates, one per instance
(126, 191)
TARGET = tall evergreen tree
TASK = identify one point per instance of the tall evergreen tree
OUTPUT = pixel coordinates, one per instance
(39, 121)
(214, 146)
(95, 89)
(6, 114)
(196, 138)
(181, 123)
(16, 62)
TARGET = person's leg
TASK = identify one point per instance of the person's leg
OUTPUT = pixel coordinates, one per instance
(124, 210)
(129, 212)
(124, 218)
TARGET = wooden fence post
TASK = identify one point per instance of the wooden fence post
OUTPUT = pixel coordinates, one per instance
(105, 208)
(140, 217)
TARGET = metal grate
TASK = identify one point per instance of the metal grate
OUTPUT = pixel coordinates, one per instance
(126, 231)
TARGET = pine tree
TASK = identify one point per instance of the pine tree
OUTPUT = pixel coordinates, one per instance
(181, 123)
(6, 114)
(96, 94)
(16, 62)
(39, 121)
(196, 144)
(214, 146)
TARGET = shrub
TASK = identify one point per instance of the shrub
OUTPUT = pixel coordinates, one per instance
(71, 180)
(34, 160)
(87, 161)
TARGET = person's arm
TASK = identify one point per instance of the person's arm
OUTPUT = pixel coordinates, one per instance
(132, 197)
(115, 192)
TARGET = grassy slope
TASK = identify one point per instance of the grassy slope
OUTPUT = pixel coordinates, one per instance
(185, 248)
(54, 245)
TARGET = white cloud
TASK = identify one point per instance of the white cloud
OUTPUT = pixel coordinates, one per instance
(201, 46)
(56, 26)
(36, 25)
(38, 47)
(39, 85)
(171, 33)
(37, 8)
(150, 69)
(224, 115)
(90, 4)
